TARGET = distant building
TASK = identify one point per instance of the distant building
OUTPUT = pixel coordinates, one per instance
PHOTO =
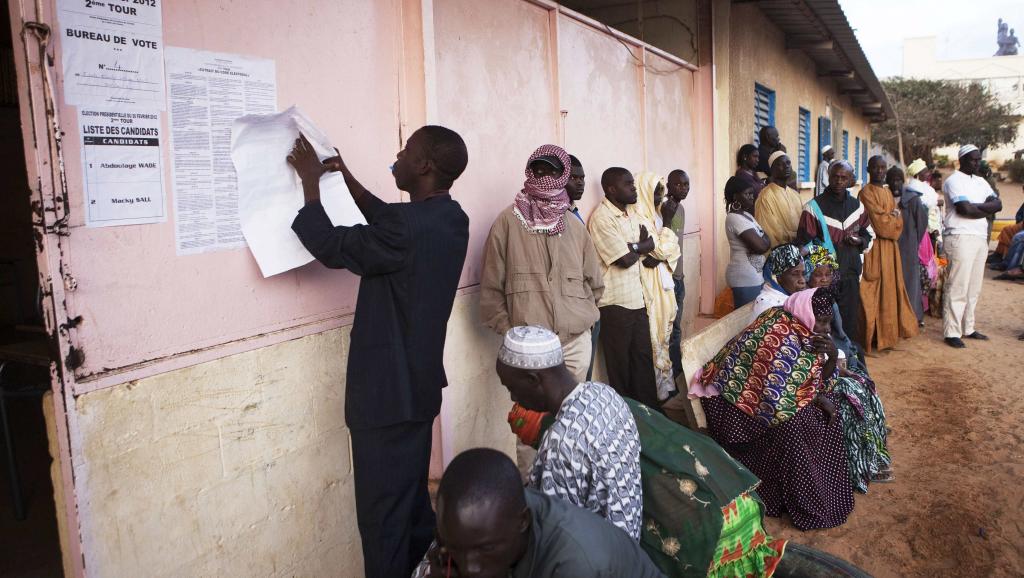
(1003, 75)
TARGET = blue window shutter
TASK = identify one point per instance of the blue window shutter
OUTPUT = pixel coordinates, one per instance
(864, 155)
(846, 145)
(804, 145)
(824, 133)
(857, 166)
(764, 110)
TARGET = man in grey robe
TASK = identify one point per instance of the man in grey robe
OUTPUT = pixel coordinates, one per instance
(915, 227)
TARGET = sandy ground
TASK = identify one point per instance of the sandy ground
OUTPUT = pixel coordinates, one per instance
(957, 505)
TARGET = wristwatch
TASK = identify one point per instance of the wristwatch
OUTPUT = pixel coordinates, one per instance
(635, 247)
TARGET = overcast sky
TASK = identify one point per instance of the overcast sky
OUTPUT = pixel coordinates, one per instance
(881, 26)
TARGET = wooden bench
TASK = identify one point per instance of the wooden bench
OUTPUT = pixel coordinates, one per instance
(696, 351)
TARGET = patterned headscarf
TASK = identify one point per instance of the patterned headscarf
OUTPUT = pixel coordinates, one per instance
(809, 304)
(819, 256)
(783, 258)
(822, 301)
(542, 203)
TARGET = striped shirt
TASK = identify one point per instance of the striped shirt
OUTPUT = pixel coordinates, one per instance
(612, 230)
(843, 218)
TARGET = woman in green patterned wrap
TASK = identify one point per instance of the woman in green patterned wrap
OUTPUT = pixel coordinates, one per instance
(701, 516)
(860, 409)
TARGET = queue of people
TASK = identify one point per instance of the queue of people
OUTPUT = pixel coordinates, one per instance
(616, 488)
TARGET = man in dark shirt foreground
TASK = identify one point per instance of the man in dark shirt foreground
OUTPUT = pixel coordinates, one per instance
(410, 257)
(489, 526)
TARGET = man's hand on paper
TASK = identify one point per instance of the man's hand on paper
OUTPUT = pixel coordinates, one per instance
(335, 163)
(307, 164)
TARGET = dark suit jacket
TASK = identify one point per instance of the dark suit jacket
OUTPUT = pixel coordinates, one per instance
(410, 258)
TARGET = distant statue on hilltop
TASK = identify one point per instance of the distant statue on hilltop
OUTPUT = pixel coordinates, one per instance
(1007, 41)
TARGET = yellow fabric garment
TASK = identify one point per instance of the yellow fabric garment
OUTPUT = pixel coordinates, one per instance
(659, 294)
(888, 315)
(777, 210)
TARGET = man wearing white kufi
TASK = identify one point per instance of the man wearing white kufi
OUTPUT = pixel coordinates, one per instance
(778, 207)
(827, 154)
(970, 202)
(590, 455)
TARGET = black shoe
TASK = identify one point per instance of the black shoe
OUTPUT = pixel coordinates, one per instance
(978, 336)
(955, 342)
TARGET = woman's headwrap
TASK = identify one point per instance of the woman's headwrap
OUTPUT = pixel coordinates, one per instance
(819, 256)
(541, 205)
(808, 304)
(783, 258)
(646, 183)
(822, 301)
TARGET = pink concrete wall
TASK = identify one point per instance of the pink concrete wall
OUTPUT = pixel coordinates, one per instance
(501, 104)
(602, 95)
(343, 64)
(337, 61)
(570, 84)
(671, 119)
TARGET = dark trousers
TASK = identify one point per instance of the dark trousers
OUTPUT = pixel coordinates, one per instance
(626, 341)
(851, 309)
(595, 333)
(396, 522)
(677, 330)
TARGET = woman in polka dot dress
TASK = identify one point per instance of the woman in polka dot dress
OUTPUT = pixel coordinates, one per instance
(771, 414)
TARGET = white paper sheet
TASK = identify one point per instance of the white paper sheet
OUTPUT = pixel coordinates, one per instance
(270, 192)
(122, 167)
(112, 53)
(207, 91)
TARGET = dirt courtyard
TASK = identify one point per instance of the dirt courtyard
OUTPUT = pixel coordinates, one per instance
(957, 505)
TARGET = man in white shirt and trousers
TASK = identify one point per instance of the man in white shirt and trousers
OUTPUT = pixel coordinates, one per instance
(970, 201)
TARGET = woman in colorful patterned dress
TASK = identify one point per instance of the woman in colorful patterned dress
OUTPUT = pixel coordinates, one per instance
(769, 408)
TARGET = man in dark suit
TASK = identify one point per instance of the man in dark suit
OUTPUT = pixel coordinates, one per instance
(410, 257)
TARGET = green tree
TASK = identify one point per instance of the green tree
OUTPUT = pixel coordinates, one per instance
(936, 113)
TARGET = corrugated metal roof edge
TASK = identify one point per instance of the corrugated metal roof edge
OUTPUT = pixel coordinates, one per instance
(831, 14)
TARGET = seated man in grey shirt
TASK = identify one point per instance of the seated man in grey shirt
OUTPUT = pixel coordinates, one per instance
(488, 525)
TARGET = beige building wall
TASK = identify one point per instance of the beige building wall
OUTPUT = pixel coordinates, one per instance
(241, 466)
(746, 58)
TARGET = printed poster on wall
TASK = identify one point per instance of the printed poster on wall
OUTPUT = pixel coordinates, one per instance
(122, 167)
(208, 91)
(112, 52)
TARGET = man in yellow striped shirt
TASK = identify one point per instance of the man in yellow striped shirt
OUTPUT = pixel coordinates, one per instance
(622, 241)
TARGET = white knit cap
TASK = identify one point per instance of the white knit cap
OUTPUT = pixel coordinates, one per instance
(966, 150)
(826, 148)
(774, 157)
(531, 347)
(914, 168)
